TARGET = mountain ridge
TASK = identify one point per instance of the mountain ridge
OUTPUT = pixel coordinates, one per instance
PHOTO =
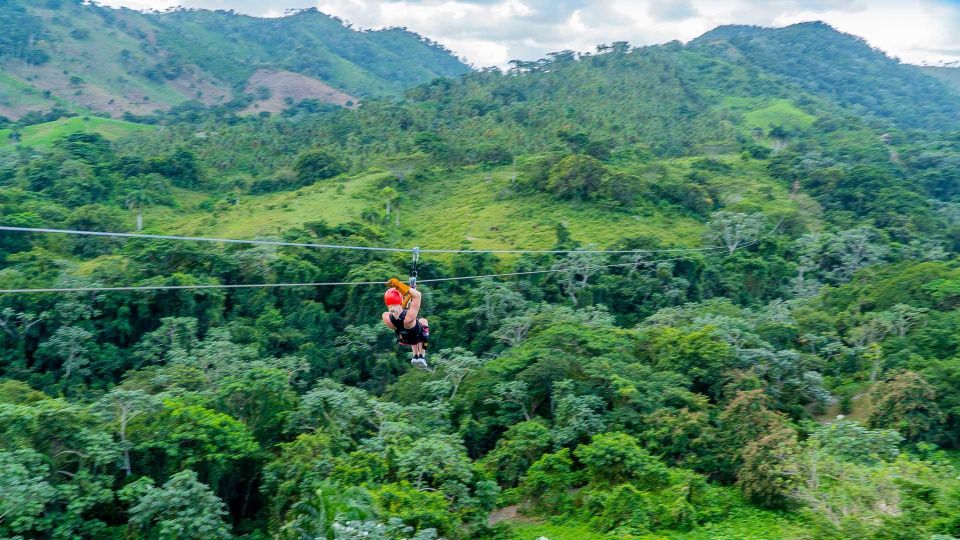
(93, 59)
(841, 66)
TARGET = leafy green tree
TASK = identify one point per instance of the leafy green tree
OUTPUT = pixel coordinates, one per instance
(184, 435)
(520, 446)
(437, 462)
(360, 467)
(901, 318)
(575, 417)
(342, 410)
(577, 177)
(514, 394)
(733, 229)
(744, 420)
(315, 165)
(393, 529)
(455, 365)
(120, 407)
(300, 468)
(145, 190)
(700, 354)
(176, 336)
(317, 516)
(908, 404)
(183, 508)
(676, 435)
(624, 509)
(418, 509)
(25, 491)
(615, 458)
(848, 440)
(71, 346)
(548, 481)
(260, 398)
(575, 271)
(769, 474)
(852, 250)
(181, 167)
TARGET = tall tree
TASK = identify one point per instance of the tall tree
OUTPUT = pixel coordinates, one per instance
(182, 509)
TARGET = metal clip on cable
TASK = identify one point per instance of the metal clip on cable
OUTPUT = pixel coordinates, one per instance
(413, 274)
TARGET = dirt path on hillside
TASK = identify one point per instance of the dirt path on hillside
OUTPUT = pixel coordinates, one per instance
(507, 512)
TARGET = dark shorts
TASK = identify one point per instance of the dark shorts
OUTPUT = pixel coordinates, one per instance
(417, 334)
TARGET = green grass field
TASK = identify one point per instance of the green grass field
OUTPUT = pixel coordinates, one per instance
(742, 524)
(763, 114)
(17, 95)
(532, 531)
(464, 209)
(471, 208)
(268, 215)
(44, 135)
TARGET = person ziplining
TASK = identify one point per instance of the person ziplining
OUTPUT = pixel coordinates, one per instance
(403, 317)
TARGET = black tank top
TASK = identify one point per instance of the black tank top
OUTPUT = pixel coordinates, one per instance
(406, 335)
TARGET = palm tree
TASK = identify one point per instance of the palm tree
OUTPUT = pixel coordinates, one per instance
(391, 198)
(313, 518)
(146, 189)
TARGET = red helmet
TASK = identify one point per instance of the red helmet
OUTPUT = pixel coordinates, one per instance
(392, 297)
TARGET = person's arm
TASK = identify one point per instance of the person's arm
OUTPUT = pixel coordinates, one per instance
(386, 321)
(413, 311)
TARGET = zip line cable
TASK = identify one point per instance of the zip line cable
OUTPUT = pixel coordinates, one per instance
(345, 283)
(320, 284)
(338, 246)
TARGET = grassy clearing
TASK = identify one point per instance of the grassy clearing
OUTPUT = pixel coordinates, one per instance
(532, 531)
(763, 114)
(268, 215)
(477, 209)
(860, 405)
(744, 524)
(748, 524)
(468, 208)
(780, 113)
(44, 135)
(17, 96)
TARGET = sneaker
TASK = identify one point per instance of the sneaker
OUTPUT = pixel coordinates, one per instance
(419, 362)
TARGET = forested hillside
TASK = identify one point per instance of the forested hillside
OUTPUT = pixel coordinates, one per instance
(735, 312)
(80, 57)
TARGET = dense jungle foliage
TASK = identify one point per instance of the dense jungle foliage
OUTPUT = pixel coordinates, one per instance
(784, 361)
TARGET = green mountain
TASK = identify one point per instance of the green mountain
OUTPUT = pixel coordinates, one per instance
(741, 317)
(841, 66)
(63, 53)
(949, 75)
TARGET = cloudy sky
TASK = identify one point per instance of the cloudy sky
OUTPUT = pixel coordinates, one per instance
(492, 32)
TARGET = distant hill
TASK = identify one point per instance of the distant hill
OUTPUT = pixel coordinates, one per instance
(949, 75)
(703, 98)
(45, 134)
(61, 53)
(843, 68)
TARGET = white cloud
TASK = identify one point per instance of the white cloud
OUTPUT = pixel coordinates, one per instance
(492, 32)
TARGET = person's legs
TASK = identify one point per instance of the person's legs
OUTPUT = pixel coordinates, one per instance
(418, 359)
